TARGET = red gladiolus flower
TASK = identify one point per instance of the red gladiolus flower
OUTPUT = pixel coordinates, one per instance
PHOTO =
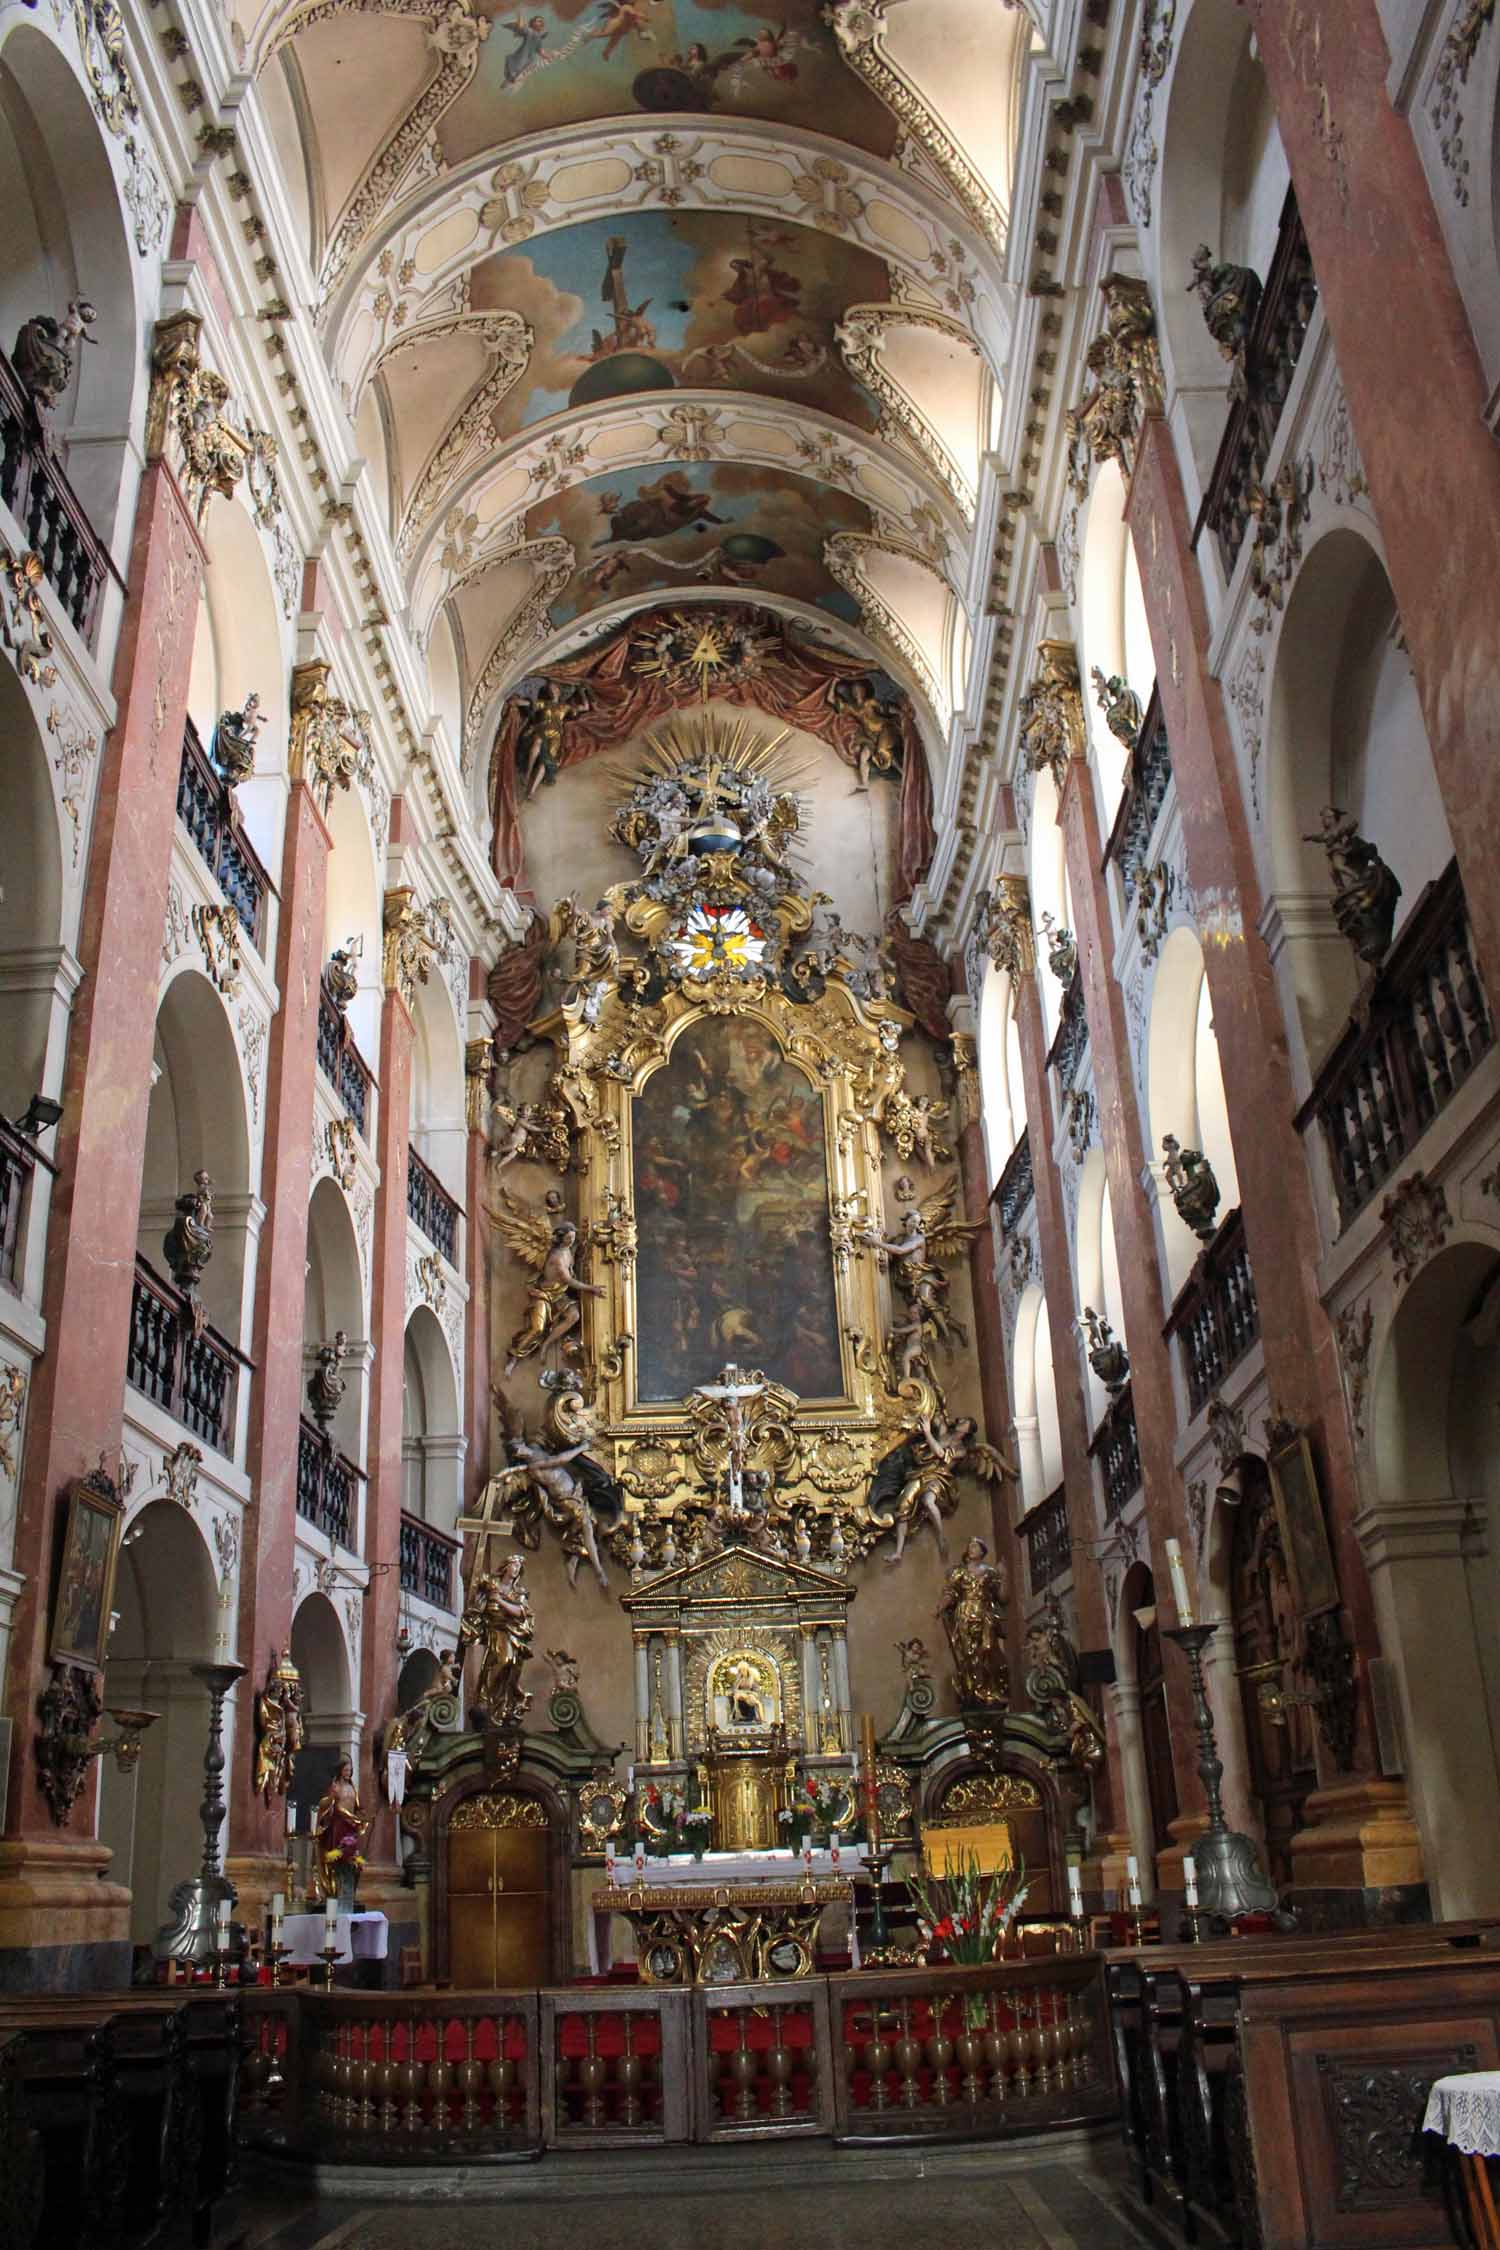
(943, 1929)
(653, 1794)
(967, 1925)
(812, 1791)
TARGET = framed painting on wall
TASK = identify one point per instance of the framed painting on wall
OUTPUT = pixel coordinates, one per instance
(93, 1515)
(1304, 1532)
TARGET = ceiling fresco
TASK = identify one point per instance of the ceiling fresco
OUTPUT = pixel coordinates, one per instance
(705, 524)
(659, 300)
(567, 62)
(642, 298)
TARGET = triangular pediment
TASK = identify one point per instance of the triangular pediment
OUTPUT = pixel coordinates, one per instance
(741, 1574)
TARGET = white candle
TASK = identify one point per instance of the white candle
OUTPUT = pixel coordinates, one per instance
(291, 1818)
(1190, 1880)
(224, 1916)
(278, 1905)
(330, 1914)
(833, 1847)
(1180, 1597)
(1075, 1890)
(1133, 1879)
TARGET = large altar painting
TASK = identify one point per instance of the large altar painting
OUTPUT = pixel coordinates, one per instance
(731, 1199)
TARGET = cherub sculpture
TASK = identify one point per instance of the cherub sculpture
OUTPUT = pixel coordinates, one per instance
(914, 1484)
(551, 1248)
(912, 1124)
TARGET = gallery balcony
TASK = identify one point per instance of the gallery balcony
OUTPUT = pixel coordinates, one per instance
(341, 1062)
(1215, 1319)
(430, 1207)
(1016, 1186)
(427, 1560)
(1275, 345)
(19, 1162)
(207, 810)
(1147, 781)
(1417, 1033)
(1048, 1542)
(182, 1362)
(1071, 1040)
(1117, 1448)
(35, 488)
(327, 1485)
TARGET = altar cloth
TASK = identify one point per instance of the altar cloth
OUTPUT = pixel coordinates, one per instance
(359, 1937)
(683, 1872)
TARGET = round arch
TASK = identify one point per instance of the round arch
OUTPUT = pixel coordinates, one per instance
(354, 911)
(1112, 628)
(333, 1298)
(1433, 1402)
(66, 238)
(432, 1440)
(166, 1601)
(1185, 1086)
(437, 1125)
(1047, 880)
(330, 1723)
(1097, 1264)
(239, 650)
(199, 1120)
(31, 903)
(1343, 727)
(999, 1049)
(1034, 1390)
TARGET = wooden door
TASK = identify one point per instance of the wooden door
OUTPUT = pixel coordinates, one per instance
(499, 1899)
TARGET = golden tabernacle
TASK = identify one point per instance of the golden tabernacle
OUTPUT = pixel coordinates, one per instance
(748, 1787)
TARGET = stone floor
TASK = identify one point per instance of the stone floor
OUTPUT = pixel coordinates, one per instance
(1061, 2195)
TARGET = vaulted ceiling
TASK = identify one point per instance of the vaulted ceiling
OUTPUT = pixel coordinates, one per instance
(633, 298)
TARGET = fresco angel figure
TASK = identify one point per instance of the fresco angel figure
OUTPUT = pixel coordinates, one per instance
(918, 1478)
(931, 1234)
(551, 1248)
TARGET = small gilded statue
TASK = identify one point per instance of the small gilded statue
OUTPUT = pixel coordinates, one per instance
(43, 357)
(497, 1618)
(1062, 950)
(189, 1243)
(931, 1233)
(972, 1614)
(325, 1385)
(278, 1726)
(235, 737)
(1365, 891)
(1052, 1680)
(1194, 1188)
(1230, 297)
(339, 1829)
(1107, 1355)
(877, 737)
(551, 1248)
(539, 736)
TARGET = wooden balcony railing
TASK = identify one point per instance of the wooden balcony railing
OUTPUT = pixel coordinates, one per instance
(1216, 1318)
(432, 1208)
(190, 1370)
(206, 808)
(19, 1159)
(1275, 346)
(1414, 1040)
(1071, 1039)
(327, 1485)
(33, 486)
(1048, 1541)
(1016, 1185)
(1146, 785)
(341, 1062)
(1117, 1447)
(427, 1559)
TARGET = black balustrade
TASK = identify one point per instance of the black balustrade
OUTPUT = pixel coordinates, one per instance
(430, 1207)
(1146, 784)
(427, 1560)
(1216, 1318)
(1047, 1540)
(1016, 1186)
(33, 485)
(206, 808)
(1071, 1041)
(327, 1485)
(181, 1361)
(18, 1161)
(1117, 1447)
(341, 1062)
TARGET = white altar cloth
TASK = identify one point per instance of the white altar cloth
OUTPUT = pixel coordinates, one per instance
(360, 1937)
(715, 1867)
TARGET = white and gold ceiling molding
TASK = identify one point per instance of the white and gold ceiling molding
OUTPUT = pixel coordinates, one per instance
(911, 614)
(498, 494)
(933, 388)
(500, 342)
(459, 219)
(950, 73)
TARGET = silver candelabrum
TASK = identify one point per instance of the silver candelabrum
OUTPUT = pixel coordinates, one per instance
(1231, 1879)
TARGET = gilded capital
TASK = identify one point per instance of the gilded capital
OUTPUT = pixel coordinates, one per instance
(326, 747)
(1006, 925)
(189, 422)
(1053, 729)
(415, 937)
(479, 1054)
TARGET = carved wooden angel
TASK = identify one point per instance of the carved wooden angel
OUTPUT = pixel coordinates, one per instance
(915, 1483)
(551, 1247)
(931, 1236)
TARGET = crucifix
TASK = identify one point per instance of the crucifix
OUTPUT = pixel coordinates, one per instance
(727, 1398)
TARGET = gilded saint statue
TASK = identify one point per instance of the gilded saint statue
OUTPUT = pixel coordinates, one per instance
(972, 1612)
(338, 1836)
(278, 1727)
(497, 1616)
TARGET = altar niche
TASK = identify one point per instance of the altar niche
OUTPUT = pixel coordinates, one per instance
(742, 1684)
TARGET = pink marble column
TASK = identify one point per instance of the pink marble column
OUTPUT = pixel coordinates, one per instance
(1416, 392)
(265, 1607)
(477, 1274)
(386, 1488)
(49, 1895)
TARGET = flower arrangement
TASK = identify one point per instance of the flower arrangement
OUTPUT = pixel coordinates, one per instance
(968, 1913)
(673, 1825)
(818, 1808)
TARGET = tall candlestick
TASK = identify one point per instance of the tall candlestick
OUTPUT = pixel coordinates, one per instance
(869, 1781)
(1133, 1880)
(1182, 1601)
(1075, 1890)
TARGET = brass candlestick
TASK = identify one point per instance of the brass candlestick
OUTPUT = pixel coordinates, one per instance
(1231, 1879)
(328, 1954)
(1080, 1924)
